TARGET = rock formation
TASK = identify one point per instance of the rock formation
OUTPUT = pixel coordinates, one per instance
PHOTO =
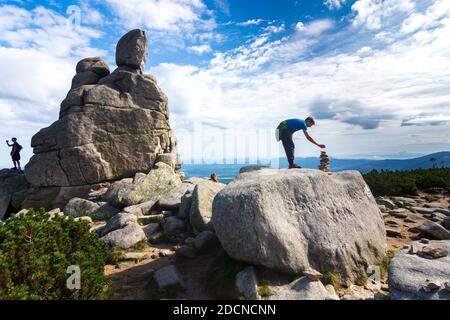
(324, 162)
(110, 127)
(292, 220)
(12, 189)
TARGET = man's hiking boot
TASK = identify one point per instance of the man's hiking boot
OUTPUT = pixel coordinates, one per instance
(294, 166)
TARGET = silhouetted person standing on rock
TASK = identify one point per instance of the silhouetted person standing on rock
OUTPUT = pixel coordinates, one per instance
(15, 152)
(285, 132)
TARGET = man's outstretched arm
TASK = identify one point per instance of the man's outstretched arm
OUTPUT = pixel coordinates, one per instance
(310, 139)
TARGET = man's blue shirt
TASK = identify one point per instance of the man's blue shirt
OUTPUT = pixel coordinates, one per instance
(296, 125)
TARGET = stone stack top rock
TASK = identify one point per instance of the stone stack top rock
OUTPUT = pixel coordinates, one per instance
(94, 64)
(131, 50)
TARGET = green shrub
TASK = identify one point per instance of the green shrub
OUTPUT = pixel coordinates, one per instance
(331, 277)
(385, 264)
(265, 291)
(36, 251)
(362, 279)
(397, 183)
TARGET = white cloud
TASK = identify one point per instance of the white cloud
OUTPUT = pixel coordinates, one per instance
(180, 16)
(334, 4)
(375, 13)
(252, 22)
(201, 49)
(365, 94)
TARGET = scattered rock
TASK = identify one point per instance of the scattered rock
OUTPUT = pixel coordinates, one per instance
(86, 219)
(247, 283)
(385, 202)
(446, 223)
(206, 241)
(119, 221)
(423, 210)
(393, 233)
(256, 216)
(434, 230)
(156, 237)
(126, 237)
(399, 213)
(431, 287)
(358, 293)
(135, 256)
(173, 227)
(186, 252)
(167, 277)
(151, 229)
(312, 274)
(302, 289)
(172, 201)
(408, 274)
(105, 212)
(155, 218)
(80, 207)
(141, 209)
(185, 206)
(433, 253)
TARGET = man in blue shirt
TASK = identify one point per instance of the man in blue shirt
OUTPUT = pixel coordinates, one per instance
(285, 131)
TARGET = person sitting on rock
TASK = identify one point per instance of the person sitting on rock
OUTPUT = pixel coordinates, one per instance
(285, 131)
(15, 153)
(214, 178)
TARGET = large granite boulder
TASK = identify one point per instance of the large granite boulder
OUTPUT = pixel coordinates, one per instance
(201, 207)
(12, 187)
(410, 275)
(292, 220)
(111, 125)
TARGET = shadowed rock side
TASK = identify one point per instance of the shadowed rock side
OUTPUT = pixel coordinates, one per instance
(111, 126)
(294, 220)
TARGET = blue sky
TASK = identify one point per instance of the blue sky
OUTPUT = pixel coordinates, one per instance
(375, 74)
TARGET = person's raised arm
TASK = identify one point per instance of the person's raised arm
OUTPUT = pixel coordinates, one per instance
(9, 145)
(310, 139)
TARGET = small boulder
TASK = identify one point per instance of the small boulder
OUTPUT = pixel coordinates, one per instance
(119, 221)
(302, 289)
(126, 237)
(167, 277)
(385, 202)
(78, 207)
(201, 208)
(434, 230)
(151, 229)
(185, 206)
(173, 228)
(247, 283)
(206, 241)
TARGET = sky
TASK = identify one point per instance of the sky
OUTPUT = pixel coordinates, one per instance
(375, 74)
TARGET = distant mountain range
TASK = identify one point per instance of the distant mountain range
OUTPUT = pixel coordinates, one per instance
(228, 172)
(366, 165)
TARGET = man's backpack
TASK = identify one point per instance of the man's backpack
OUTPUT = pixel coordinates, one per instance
(19, 148)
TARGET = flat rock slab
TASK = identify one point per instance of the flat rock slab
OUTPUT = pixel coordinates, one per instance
(126, 237)
(302, 289)
(410, 273)
(434, 230)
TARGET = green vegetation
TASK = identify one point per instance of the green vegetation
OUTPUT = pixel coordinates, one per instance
(221, 276)
(362, 279)
(36, 251)
(265, 291)
(331, 277)
(397, 183)
(385, 264)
